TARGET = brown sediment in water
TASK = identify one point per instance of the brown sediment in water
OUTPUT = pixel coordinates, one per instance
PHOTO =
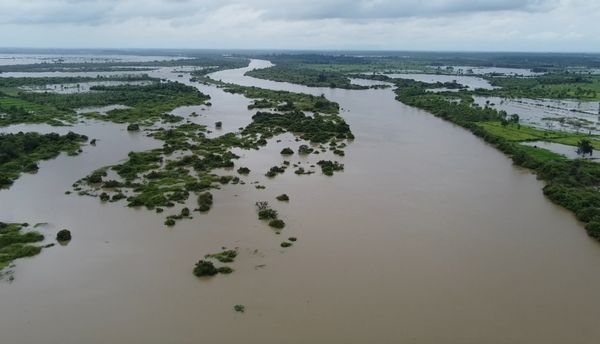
(429, 235)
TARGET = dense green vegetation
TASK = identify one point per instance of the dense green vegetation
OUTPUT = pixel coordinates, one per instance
(63, 235)
(22, 151)
(21, 106)
(305, 76)
(573, 184)
(284, 100)
(15, 244)
(146, 103)
(209, 62)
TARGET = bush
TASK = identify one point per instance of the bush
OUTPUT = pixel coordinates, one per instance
(283, 197)
(243, 170)
(588, 214)
(133, 127)
(267, 214)
(286, 244)
(304, 150)
(225, 270)
(227, 256)
(593, 229)
(205, 201)
(277, 223)
(170, 222)
(287, 151)
(205, 268)
(104, 197)
(63, 235)
(185, 212)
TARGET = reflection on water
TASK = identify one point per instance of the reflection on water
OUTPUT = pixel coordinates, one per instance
(428, 236)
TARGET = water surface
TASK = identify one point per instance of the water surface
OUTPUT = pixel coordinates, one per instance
(428, 236)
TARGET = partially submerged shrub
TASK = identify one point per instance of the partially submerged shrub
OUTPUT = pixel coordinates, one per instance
(225, 270)
(63, 235)
(265, 212)
(286, 244)
(275, 170)
(283, 197)
(170, 222)
(304, 150)
(243, 170)
(328, 167)
(287, 151)
(205, 268)
(277, 223)
(239, 308)
(227, 256)
(133, 127)
(104, 197)
(205, 201)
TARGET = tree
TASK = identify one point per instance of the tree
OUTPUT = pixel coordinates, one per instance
(585, 147)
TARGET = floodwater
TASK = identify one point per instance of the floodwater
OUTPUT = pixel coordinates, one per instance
(428, 236)
(556, 114)
(472, 82)
(493, 70)
(566, 150)
(82, 86)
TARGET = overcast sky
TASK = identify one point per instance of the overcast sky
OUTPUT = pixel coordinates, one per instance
(484, 25)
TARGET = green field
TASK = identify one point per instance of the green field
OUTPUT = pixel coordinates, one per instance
(521, 133)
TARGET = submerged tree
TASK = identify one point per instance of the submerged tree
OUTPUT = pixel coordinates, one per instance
(584, 147)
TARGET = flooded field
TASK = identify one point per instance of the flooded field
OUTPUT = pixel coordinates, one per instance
(492, 70)
(472, 82)
(568, 151)
(568, 115)
(81, 87)
(7, 59)
(428, 236)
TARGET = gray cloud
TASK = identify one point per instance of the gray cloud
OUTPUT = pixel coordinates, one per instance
(100, 11)
(540, 25)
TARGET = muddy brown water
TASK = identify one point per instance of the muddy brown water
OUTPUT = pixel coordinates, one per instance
(429, 236)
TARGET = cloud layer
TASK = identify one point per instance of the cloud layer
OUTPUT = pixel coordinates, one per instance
(541, 25)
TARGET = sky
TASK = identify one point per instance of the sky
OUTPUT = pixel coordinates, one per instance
(454, 25)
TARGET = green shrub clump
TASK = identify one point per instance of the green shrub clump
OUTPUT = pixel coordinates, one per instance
(205, 268)
(265, 212)
(133, 127)
(63, 235)
(277, 223)
(287, 151)
(227, 256)
(283, 197)
(205, 201)
(328, 167)
(304, 150)
(243, 170)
